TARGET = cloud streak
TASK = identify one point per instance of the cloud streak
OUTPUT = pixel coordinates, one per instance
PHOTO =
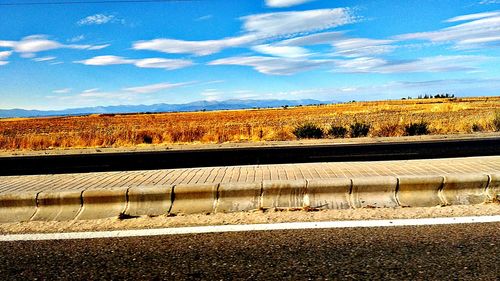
(482, 30)
(256, 28)
(168, 64)
(285, 3)
(30, 45)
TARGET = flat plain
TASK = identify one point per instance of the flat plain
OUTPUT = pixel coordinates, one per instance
(442, 116)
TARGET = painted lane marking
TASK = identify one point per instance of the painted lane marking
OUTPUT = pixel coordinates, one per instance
(249, 227)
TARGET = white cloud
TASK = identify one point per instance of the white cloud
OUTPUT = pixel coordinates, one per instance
(484, 28)
(281, 51)
(426, 64)
(30, 45)
(5, 54)
(154, 87)
(256, 28)
(202, 18)
(106, 60)
(272, 65)
(62, 91)
(212, 94)
(360, 47)
(40, 59)
(473, 16)
(486, 2)
(199, 48)
(96, 19)
(313, 39)
(169, 64)
(76, 38)
(296, 22)
(284, 3)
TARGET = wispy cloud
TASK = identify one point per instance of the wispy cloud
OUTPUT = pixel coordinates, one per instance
(257, 28)
(3, 56)
(62, 91)
(30, 45)
(281, 51)
(360, 47)
(285, 3)
(96, 19)
(482, 30)
(426, 64)
(168, 64)
(202, 18)
(313, 39)
(273, 65)
(155, 87)
(40, 59)
(77, 38)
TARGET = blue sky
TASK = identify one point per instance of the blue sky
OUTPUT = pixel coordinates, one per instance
(77, 55)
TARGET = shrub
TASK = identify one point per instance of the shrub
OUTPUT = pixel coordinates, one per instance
(337, 131)
(417, 129)
(388, 130)
(477, 128)
(308, 131)
(359, 130)
(496, 122)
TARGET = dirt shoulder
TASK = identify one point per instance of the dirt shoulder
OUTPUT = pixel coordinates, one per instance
(255, 217)
(200, 146)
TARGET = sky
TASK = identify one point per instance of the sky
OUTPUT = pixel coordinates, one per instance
(70, 55)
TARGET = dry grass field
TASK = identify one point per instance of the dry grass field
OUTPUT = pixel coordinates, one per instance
(386, 118)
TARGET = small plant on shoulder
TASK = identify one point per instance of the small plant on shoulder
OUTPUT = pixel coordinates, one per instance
(337, 131)
(308, 131)
(358, 130)
(417, 129)
(477, 128)
(496, 121)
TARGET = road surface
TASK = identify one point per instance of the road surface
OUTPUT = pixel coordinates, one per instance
(444, 252)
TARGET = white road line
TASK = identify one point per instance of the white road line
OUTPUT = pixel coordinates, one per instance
(248, 227)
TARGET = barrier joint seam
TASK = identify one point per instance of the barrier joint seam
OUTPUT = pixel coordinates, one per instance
(172, 199)
(396, 192)
(36, 206)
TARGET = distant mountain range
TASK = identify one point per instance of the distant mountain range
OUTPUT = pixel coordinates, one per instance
(162, 107)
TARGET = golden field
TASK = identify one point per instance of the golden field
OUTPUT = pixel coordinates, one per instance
(387, 118)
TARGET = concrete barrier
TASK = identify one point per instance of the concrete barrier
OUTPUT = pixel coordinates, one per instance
(374, 192)
(419, 191)
(493, 190)
(103, 203)
(58, 206)
(194, 199)
(283, 194)
(235, 197)
(465, 189)
(149, 201)
(17, 207)
(328, 193)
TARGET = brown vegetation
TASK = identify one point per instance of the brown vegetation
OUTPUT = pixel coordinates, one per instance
(385, 118)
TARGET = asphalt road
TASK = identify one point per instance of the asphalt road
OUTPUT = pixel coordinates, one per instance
(127, 161)
(452, 252)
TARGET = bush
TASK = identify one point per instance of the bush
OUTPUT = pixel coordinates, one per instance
(359, 130)
(337, 131)
(496, 122)
(417, 129)
(308, 131)
(388, 130)
(477, 128)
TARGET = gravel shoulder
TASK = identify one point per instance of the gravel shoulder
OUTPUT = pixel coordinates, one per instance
(255, 217)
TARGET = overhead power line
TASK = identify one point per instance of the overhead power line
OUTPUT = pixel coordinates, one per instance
(32, 3)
